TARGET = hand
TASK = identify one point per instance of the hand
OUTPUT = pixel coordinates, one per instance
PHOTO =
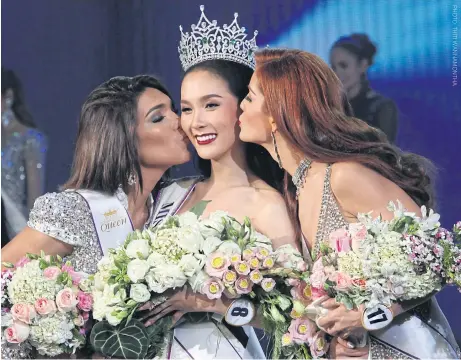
(340, 350)
(182, 302)
(339, 321)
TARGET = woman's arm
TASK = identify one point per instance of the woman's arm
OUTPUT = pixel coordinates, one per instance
(33, 241)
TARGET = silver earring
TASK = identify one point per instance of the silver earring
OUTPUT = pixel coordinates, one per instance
(131, 179)
(7, 115)
(276, 150)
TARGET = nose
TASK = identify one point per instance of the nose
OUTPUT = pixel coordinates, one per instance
(242, 105)
(197, 120)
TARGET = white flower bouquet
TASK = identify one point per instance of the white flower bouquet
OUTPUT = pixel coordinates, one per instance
(45, 306)
(216, 257)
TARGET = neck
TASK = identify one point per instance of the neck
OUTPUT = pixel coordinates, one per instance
(230, 170)
(289, 156)
(137, 199)
(354, 90)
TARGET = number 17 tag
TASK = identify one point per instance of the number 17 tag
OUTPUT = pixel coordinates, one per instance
(377, 317)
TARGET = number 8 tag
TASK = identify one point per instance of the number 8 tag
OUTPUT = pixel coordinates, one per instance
(377, 317)
(240, 312)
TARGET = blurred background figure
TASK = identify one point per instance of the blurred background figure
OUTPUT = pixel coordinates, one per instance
(23, 157)
(350, 58)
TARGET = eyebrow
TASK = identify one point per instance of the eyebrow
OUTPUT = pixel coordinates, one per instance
(156, 107)
(204, 98)
(249, 88)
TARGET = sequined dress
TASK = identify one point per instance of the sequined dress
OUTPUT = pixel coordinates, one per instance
(23, 162)
(417, 334)
(66, 216)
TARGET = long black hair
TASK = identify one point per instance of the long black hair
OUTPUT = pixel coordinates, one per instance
(106, 152)
(10, 81)
(259, 160)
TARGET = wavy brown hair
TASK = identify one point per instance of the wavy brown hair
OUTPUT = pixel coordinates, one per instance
(307, 102)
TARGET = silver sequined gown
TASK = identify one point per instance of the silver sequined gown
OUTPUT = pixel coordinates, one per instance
(420, 333)
(66, 216)
(23, 162)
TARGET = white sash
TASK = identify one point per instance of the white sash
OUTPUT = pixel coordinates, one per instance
(111, 220)
(170, 199)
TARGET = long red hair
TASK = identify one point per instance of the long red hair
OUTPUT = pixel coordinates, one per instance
(308, 104)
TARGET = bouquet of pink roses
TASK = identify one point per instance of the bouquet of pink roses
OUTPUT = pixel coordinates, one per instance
(45, 305)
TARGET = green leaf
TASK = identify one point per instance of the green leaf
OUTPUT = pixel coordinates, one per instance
(126, 341)
(199, 208)
(8, 265)
(43, 264)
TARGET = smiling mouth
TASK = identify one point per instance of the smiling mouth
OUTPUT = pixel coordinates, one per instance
(206, 139)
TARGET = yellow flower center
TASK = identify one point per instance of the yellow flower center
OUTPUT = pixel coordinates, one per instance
(230, 276)
(214, 288)
(286, 340)
(256, 276)
(294, 314)
(254, 262)
(235, 258)
(302, 329)
(217, 262)
(320, 343)
(243, 267)
(244, 283)
(268, 262)
(264, 252)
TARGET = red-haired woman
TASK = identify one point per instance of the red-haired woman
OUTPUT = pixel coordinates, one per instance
(338, 166)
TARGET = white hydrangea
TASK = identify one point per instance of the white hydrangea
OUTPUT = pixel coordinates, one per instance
(29, 284)
(56, 329)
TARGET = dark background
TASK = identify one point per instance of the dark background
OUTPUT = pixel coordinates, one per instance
(63, 49)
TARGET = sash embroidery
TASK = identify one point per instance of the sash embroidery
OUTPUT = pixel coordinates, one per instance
(111, 220)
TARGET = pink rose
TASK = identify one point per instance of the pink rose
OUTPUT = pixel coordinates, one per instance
(343, 282)
(22, 261)
(66, 300)
(23, 312)
(358, 233)
(85, 301)
(318, 276)
(44, 306)
(75, 275)
(17, 333)
(52, 272)
(213, 288)
(318, 293)
(243, 285)
(319, 345)
(217, 264)
(340, 240)
(67, 268)
(302, 330)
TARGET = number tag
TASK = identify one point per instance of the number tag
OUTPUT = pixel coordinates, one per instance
(240, 312)
(377, 317)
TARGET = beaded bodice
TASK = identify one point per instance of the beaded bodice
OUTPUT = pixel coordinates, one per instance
(330, 218)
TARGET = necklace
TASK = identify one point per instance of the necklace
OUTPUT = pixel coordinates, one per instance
(299, 177)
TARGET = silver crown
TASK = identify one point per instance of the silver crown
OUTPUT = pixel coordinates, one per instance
(207, 41)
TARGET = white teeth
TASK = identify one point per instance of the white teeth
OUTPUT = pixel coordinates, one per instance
(206, 137)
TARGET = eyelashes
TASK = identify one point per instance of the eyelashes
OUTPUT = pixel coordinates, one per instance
(248, 98)
(210, 106)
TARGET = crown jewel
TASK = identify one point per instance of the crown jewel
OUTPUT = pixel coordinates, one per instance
(208, 41)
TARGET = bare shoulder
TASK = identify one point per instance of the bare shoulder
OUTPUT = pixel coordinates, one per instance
(361, 189)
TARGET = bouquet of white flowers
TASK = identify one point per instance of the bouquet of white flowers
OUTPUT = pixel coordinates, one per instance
(45, 305)
(217, 256)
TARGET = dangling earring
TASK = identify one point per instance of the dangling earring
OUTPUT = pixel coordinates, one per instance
(276, 150)
(7, 115)
(131, 179)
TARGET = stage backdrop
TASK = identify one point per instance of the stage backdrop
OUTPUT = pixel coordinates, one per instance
(63, 49)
